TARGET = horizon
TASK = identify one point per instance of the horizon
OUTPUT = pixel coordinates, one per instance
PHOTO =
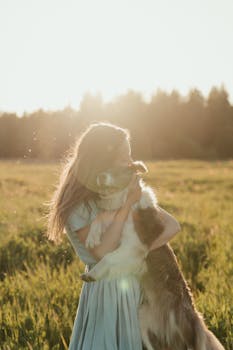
(53, 53)
(146, 99)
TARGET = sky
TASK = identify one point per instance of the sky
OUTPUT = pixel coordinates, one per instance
(54, 51)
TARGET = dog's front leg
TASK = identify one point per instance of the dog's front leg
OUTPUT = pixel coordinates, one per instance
(99, 271)
(103, 268)
(120, 262)
(94, 234)
(98, 227)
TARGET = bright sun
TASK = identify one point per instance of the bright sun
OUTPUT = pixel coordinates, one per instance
(55, 51)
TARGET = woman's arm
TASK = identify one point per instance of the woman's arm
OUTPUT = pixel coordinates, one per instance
(110, 238)
(172, 227)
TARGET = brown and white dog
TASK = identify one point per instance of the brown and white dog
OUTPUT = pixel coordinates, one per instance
(167, 315)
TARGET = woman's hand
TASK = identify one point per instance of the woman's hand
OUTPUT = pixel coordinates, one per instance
(134, 190)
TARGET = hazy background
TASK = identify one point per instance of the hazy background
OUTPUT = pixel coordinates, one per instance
(161, 68)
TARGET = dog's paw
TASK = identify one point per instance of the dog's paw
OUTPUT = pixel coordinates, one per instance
(92, 241)
(87, 278)
(94, 235)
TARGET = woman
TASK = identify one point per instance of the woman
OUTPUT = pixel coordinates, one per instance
(106, 317)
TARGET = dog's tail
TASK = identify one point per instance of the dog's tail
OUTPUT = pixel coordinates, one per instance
(205, 339)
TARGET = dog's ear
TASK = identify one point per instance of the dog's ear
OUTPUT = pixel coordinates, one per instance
(140, 166)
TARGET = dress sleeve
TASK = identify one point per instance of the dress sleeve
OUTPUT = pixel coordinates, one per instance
(78, 218)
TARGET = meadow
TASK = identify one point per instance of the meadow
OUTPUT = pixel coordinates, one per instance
(40, 284)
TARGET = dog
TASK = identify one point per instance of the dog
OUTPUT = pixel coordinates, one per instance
(167, 315)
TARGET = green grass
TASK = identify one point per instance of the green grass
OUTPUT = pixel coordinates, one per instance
(40, 285)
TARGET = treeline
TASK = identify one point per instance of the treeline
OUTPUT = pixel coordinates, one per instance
(169, 126)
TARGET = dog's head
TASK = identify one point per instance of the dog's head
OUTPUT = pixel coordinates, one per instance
(112, 184)
(117, 178)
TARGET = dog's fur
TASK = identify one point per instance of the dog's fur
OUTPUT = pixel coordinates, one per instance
(168, 317)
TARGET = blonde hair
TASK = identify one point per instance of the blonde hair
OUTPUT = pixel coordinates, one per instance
(94, 150)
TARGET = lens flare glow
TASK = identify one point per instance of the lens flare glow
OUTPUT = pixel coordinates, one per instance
(124, 284)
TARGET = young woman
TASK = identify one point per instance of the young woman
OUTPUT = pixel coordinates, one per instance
(106, 317)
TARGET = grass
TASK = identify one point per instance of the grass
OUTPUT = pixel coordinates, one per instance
(40, 285)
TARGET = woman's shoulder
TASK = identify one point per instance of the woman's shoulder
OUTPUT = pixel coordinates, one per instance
(85, 208)
(77, 219)
(82, 213)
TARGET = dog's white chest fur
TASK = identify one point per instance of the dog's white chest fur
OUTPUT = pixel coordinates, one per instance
(129, 257)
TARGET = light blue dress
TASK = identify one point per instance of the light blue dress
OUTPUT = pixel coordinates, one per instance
(107, 313)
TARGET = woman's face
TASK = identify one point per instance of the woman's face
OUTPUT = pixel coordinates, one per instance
(124, 154)
(120, 178)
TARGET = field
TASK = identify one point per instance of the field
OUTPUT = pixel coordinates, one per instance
(39, 282)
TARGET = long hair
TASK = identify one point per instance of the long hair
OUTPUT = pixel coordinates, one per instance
(93, 151)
